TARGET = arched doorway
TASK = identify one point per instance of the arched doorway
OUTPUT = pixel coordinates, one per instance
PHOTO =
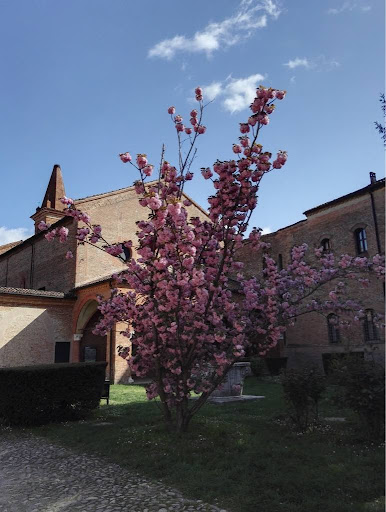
(92, 347)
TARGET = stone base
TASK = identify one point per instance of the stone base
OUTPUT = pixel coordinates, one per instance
(230, 399)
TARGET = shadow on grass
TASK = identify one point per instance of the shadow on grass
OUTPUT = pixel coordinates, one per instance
(236, 453)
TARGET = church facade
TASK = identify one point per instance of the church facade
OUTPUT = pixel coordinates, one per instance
(48, 304)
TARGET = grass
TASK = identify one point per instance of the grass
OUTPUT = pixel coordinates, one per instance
(241, 456)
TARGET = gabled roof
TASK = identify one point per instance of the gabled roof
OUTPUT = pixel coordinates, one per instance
(35, 293)
(31, 239)
(128, 189)
(365, 190)
(6, 247)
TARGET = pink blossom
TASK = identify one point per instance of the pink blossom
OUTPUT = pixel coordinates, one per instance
(50, 235)
(148, 170)
(180, 127)
(280, 94)
(244, 128)
(125, 157)
(207, 173)
(69, 255)
(63, 234)
(66, 200)
(114, 250)
(141, 161)
(198, 93)
(42, 226)
(188, 131)
(171, 110)
(154, 203)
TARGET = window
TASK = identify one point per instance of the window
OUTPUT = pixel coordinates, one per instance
(62, 352)
(360, 240)
(369, 327)
(333, 328)
(326, 245)
(280, 262)
(126, 254)
(283, 338)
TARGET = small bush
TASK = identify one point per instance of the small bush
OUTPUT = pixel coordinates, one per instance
(258, 367)
(34, 395)
(303, 389)
(361, 387)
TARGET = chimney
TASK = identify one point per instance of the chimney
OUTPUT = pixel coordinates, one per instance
(373, 178)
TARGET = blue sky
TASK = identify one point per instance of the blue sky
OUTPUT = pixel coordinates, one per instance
(84, 80)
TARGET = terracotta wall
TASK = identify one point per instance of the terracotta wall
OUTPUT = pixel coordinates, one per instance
(30, 327)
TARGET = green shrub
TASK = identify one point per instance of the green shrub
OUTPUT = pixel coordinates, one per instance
(361, 387)
(303, 389)
(34, 395)
(258, 367)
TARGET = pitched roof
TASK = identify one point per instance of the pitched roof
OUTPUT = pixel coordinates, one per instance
(35, 293)
(365, 190)
(6, 247)
(36, 236)
(127, 189)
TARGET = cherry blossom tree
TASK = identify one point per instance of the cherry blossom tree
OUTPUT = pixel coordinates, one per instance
(190, 311)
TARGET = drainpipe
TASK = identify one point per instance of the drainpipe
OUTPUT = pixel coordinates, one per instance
(112, 354)
(373, 180)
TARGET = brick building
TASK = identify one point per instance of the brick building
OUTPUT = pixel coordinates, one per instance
(48, 304)
(352, 224)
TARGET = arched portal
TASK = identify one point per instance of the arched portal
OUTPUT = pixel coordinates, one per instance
(93, 347)
(85, 315)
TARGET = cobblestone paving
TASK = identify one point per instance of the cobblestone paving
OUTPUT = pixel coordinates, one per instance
(37, 476)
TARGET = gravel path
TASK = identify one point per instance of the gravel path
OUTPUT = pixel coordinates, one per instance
(38, 476)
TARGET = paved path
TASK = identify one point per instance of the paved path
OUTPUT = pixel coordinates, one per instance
(38, 476)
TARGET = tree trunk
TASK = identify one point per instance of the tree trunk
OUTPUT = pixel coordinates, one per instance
(183, 416)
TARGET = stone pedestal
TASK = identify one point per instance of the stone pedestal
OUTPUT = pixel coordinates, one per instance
(234, 380)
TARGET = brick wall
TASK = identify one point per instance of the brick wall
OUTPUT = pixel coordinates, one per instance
(30, 327)
(117, 213)
(38, 263)
(308, 340)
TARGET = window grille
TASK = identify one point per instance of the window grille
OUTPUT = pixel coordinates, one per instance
(369, 327)
(333, 328)
(361, 240)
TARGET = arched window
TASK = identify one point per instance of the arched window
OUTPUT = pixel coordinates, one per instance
(126, 253)
(333, 328)
(326, 245)
(280, 262)
(360, 240)
(369, 327)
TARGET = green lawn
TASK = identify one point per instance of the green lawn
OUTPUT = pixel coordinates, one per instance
(241, 456)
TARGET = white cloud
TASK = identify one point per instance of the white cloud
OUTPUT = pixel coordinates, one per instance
(236, 93)
(266, 231)
(250, 16)
(295, 63)
(212, 90)
(240, 92)
(13, 235)
(320, 63)
(350, 5)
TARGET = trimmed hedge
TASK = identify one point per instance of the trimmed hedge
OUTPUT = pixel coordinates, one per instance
(34, 395)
